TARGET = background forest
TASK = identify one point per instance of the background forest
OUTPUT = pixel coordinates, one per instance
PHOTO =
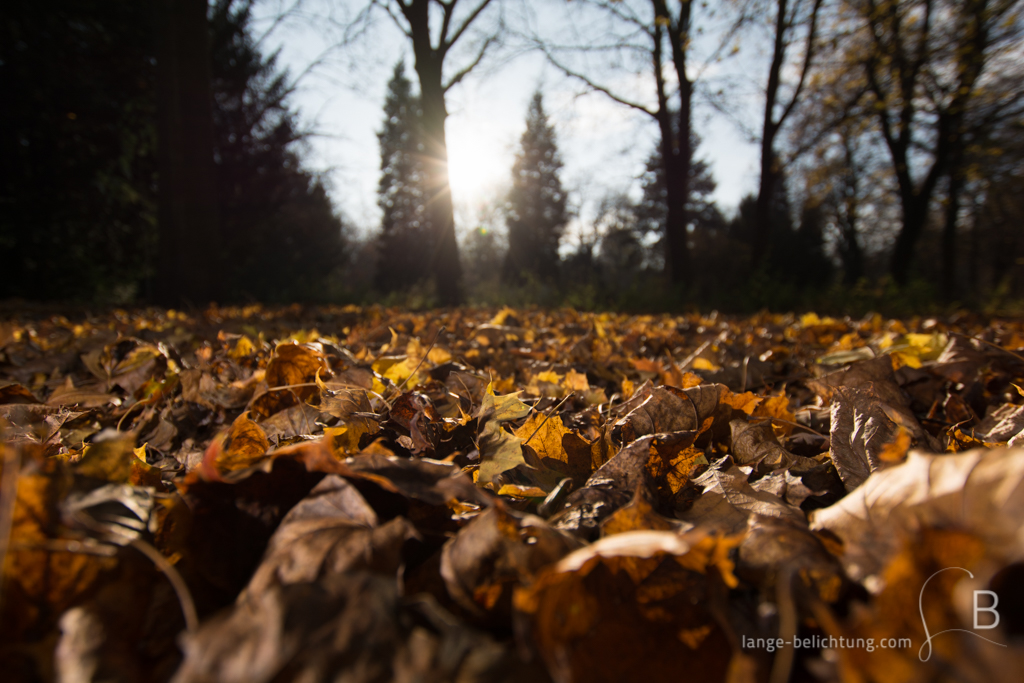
(151, 152)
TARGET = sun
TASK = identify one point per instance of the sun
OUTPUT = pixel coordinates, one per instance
(479, 162)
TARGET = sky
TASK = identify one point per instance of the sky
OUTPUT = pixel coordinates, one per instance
(603, 144)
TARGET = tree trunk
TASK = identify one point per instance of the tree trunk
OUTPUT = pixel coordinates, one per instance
(851, 253)
(675, 159)
(763, 213)
(187, 265)
(769, 160)
(676, 151)
(445, 264)
(915, 214)
(445, 260)
(677, 253)
(956, 183)
(849, 216)
(853, 259)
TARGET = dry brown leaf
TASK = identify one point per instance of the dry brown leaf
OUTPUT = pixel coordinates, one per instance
(633, 606)
(980, 491)
(245, 445)
(727, 501)
(497, 551)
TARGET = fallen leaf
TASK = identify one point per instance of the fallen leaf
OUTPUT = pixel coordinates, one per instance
(727, 501)
(979, 491)
(244, 445)
(632, 606)
(502, 408)
(499, 451)
(497, 551)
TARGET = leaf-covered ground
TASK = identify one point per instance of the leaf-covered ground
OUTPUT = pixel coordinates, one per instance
(372, 495)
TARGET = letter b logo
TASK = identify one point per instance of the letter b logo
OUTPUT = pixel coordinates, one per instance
(991, 608)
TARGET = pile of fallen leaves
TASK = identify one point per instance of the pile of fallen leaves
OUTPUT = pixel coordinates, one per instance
(370, 495)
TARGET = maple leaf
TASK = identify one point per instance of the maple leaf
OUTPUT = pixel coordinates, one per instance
(502, 408)
(499, 451)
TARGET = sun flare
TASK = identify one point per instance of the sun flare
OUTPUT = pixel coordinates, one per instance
(479, 163)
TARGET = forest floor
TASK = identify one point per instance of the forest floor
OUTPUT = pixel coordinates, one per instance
(369, 494)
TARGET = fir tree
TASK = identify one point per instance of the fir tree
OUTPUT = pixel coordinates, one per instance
(652, 211)
(405, 242)
(280, 233)
(78, 149)
(537, 212)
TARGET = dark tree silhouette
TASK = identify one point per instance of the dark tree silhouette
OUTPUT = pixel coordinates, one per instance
(78, 149)
(280, 235)
(923, 61)
(187, 263)
(700, 210)
(791, 17)
(405, 234)
(79, 186)
(536, 213)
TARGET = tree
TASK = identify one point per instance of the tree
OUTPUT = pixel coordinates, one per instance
(923, 62)
(623, 257)
(79, 217)
(660, 33)
(791, 17)
(701, 214)
(837, 189)
(432, 45)
(187, 264)
(536, 212)
(78, 143)
(995, 208)
(405, 234)
(280, 234)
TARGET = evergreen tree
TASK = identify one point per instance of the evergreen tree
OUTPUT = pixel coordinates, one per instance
(537, 211)
(702, 215)
(406, 240)
(78, 148)
(796, 253)
(78, 191)
(279, 230)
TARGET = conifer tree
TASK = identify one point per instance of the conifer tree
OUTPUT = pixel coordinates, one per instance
(280, 233)
(405, 240)
(537, 212)
(79, 198)
(652, 210)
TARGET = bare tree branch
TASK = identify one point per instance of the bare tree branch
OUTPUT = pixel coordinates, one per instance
(812, 30)
(386, 6)
(463, 72)
(595, 86)
(445, 45)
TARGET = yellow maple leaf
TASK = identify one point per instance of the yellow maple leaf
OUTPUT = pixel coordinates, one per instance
(809, 320)
(502, 408)
(243, 348)
(544, 435)
(502, 316)
(246, 444)
(517, 491)
(903, 358)
(499, 452)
